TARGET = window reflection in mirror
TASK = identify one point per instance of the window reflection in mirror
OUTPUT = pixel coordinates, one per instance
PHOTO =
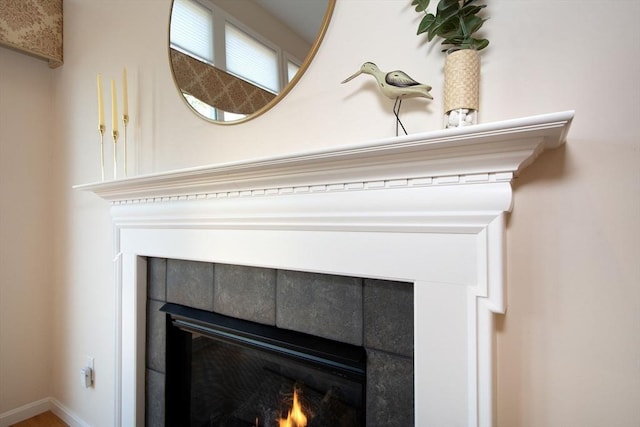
(231, 62)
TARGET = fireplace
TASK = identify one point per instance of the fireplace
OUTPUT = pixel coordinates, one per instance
(227, 372)
(339, 337)
(428, 209)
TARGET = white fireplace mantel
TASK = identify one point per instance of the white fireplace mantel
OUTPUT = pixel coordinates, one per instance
(427, 208)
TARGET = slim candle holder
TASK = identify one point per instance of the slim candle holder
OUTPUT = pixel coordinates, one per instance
(125, 122)
(115, 154)
(101, 130)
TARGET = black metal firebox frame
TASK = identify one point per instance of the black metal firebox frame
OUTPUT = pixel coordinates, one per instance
(340, 359)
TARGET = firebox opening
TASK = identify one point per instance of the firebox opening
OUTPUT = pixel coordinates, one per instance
(223, 371)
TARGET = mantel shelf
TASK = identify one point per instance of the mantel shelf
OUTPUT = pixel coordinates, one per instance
(490, 149)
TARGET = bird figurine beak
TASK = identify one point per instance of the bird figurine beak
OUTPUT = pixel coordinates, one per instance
(348, 79)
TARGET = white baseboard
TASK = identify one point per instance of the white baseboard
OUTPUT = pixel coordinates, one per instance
(35, 408)
(66, 415)
(25, 411)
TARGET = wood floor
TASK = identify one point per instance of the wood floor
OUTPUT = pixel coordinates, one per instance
(46, 419)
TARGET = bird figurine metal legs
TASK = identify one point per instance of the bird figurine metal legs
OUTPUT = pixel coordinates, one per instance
(394, 85)
(396, 112)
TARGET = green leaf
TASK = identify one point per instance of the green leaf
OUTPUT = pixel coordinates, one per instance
(421, 5)
(451, 26)
(471, 10)
(448, 12)
(445, 17)
(456, 41)
(443, 23)
(473, 24)
(426, 23)
(454, 21)
(480, 44)
(448, 4)
(452, 35)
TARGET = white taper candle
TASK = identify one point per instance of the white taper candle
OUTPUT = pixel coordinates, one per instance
(100, 103)
(114, 106)
(125, 93)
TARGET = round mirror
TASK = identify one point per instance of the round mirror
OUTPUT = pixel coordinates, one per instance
(232, 60)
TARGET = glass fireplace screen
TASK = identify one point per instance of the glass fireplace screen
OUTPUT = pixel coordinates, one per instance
(227, 372)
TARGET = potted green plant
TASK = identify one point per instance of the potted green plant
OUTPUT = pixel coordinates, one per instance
(456, 22)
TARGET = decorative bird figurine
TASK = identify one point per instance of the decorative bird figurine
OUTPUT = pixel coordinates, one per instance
(395, 85)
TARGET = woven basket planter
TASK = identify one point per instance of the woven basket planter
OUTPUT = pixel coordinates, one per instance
(461, 87)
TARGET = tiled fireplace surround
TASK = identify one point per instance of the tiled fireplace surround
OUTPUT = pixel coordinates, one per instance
(428, 209)
(375, 314)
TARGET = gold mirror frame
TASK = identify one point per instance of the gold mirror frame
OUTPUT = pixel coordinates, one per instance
(277, 98)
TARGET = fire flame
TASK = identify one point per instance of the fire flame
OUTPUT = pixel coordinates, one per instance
(295, 417)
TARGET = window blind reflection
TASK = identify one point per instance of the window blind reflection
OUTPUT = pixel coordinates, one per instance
(192, 29)
(250, 59)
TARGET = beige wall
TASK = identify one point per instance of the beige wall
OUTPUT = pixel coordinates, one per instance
(569, 347)
(26, 285)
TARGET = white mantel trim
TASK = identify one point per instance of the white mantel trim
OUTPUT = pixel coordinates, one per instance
(426, 208)
(485, 152)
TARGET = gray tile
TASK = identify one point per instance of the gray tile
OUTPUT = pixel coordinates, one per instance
(390, 397)
(319, 304)
(190, 283)
(388, 316)
(245, 292)
(155, 384)
(157, 278)
(156, 336)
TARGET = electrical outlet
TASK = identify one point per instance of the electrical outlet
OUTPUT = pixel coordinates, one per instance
(87, 374)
